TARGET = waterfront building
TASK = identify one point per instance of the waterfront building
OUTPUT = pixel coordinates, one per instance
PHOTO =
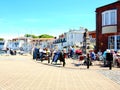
(72, 38)
(60, 42)
(2, 44)
(20, 43)
(43, 42)
(107, 25)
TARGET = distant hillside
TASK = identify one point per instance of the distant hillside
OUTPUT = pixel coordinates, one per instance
(1, 39)
(40, 36)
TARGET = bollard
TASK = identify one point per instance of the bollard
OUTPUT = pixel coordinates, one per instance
(88, 61)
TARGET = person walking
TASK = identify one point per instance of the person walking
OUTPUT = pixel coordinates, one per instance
(109, 58)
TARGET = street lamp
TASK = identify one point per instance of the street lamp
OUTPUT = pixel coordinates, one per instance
(86, 43)
(85, 40)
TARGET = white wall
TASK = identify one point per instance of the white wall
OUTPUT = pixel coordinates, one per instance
(74, 38)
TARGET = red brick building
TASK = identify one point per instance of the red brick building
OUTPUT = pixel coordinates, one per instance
(107, 24)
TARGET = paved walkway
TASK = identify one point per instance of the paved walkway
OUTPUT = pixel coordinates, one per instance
(22, 73)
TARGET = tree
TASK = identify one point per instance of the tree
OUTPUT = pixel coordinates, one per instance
(34, 36)
(27, 35)
(30, 35)
(40, 36)
(46, 36)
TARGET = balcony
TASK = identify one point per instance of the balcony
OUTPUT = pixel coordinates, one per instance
(59, 41)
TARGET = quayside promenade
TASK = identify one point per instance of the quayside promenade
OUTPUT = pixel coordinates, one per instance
(23, 73)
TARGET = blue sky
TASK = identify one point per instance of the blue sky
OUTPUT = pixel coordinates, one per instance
(54, 17)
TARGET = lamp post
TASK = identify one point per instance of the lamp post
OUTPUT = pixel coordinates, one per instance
(85, 41)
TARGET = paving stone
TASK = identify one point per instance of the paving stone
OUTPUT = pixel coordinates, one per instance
(23, 73)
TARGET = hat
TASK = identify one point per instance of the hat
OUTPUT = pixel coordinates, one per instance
(108, 51)
(118, 52)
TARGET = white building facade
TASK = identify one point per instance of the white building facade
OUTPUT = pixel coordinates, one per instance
(20, 43)
(71, 38)
(74, 38)
(2, 44)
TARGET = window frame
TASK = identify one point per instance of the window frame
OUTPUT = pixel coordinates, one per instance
(110, 15)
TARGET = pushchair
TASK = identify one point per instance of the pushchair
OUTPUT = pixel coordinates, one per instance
(59, 56)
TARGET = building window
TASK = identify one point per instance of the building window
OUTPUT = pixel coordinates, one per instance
(71, 36)
(106, 18)
(111, 41)
(118, 42)
(113, 18)
(109, 17)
